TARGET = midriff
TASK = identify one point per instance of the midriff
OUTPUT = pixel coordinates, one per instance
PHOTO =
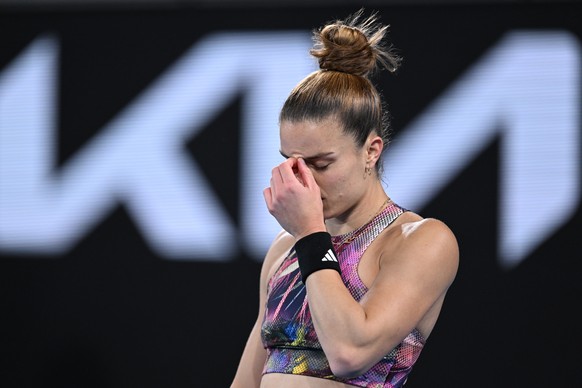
(281, 380)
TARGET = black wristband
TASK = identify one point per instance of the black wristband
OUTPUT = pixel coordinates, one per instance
(315, 252)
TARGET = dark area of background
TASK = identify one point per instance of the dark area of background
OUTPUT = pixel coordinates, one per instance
(110, 313)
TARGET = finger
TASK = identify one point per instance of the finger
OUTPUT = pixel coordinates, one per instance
(276, 175)
(272, 185)
(268, 195)
(305, 173)
(286, 170)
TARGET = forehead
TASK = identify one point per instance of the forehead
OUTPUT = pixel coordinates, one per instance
(308, 137)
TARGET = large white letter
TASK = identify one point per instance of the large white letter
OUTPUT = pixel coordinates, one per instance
(138, 158)
(526, 89)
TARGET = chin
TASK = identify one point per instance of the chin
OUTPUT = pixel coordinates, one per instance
(328, 213)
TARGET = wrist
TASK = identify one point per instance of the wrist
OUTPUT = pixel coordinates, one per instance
(315, 252)
(309, 231)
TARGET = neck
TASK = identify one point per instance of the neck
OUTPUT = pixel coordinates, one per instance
(372, 203)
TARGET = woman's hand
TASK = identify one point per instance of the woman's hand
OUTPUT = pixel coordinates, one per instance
(294, 199)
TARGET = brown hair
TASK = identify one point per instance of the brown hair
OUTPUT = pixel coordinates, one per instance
(349, 52)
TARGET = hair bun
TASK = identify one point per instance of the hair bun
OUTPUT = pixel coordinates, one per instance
(352, 47)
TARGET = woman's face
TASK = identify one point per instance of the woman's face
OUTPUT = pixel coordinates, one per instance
(333, 157)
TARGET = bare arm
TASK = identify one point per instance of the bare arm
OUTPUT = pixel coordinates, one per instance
(355, 335)
(249, 371)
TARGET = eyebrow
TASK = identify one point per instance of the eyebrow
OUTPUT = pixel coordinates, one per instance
(321, 155)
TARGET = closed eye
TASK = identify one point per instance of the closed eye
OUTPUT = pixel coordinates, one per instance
(320, 168)
(319, 162)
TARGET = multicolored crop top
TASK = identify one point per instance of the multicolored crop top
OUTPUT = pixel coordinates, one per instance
(288, 333)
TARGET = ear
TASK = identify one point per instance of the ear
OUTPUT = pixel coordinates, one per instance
(374, 147)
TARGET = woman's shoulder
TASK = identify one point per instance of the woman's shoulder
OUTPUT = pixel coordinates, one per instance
(281, 244)
(426, 239)
(280, 247)
(417, 227)
(430, 230)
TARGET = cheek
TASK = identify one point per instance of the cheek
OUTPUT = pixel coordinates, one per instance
(321, 180)
(324, 181)
(333, 185)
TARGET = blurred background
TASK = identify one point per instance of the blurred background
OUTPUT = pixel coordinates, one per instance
(136, 138)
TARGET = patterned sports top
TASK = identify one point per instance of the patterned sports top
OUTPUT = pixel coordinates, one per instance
(288, 333)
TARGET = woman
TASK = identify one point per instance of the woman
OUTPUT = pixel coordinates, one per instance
(352, 287)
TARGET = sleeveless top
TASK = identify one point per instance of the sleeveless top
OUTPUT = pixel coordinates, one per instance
(288, 333)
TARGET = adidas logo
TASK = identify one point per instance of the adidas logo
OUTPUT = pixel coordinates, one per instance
(329, 256)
